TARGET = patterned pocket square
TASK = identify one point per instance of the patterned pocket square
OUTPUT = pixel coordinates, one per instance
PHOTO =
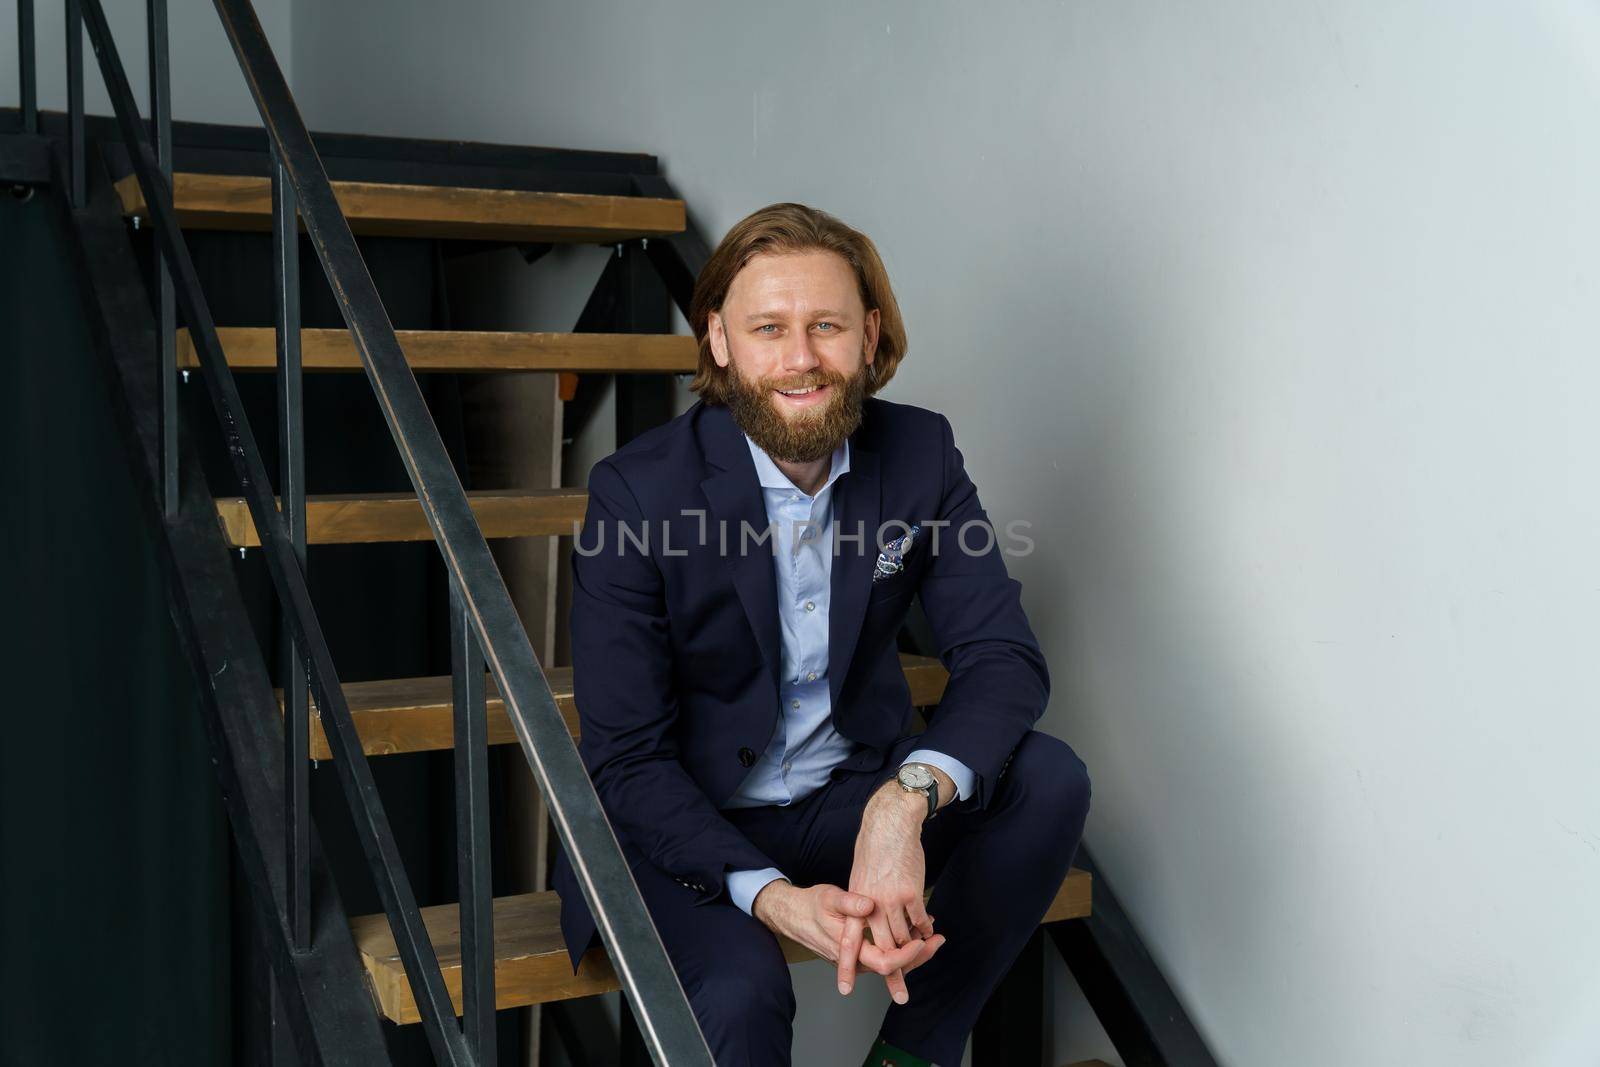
(891, 560)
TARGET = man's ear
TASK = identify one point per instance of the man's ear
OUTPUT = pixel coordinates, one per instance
(718, 339)
(869, 327)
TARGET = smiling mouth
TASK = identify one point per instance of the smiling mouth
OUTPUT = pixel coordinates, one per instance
(796, 394)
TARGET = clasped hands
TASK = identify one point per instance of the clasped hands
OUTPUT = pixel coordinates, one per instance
(883, 902)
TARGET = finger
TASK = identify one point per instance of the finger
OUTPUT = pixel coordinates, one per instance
(921, 921)
(896, 981)
(898, 928)
(878, 923)
(930, 946)
(849, 951)
(884, 961)
(843, 902)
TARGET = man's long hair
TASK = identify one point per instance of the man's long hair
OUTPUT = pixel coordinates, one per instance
(783, 228)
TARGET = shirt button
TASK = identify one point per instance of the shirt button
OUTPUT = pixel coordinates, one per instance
(810, 606)
(786, 766)
(794, 703)
(811, 676)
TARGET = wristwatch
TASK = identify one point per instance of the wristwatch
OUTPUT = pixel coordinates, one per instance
(917, 778)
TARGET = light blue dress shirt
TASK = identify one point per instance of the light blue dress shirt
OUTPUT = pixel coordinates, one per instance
(805, 746)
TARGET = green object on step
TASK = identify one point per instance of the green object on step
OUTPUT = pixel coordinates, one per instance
(884, 1054)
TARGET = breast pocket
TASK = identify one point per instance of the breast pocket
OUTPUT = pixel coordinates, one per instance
(893, 587)
(903, 580)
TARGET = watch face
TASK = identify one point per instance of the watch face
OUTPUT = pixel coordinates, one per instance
(916, 776)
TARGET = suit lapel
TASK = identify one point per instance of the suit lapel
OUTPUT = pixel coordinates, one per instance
(856, 506)
(734, 496)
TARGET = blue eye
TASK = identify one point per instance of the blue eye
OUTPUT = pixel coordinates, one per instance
(768, 326)
(827, 324)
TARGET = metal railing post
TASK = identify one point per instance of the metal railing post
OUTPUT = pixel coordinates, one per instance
(27, 76)
(76, 184)
(166, 324)
(292, 504)
(472, 831)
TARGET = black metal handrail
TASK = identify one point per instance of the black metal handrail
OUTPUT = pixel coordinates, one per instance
(486, 630)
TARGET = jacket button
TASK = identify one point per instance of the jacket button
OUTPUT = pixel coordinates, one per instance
(747, 756)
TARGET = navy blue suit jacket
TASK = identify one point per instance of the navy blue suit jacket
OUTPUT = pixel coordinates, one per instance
(676, 649)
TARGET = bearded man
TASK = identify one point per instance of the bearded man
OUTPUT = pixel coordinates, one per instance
(738, 585)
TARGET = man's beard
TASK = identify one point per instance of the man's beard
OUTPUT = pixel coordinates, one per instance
(809, 433)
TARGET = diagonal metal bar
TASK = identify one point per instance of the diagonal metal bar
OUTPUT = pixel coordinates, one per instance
(372, 825)
(678, 258)
(1133, 1001)
(636, 951)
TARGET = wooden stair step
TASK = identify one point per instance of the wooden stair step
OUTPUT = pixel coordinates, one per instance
(244, 202)
(463, 351)
(531, 961)
(396, 715)
(364, 518)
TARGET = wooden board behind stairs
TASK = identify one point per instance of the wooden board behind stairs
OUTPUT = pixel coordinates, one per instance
(250, 348)
(244, 202)
(414, 714)
(352, 518)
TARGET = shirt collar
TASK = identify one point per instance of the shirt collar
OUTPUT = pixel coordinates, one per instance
(771, 477)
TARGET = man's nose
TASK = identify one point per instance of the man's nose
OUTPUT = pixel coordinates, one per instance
(798, 357)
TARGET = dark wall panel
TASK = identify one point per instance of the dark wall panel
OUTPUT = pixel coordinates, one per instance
(114, 925)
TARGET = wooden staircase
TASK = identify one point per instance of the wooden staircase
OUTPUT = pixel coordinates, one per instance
(531, 965)
(414, 714)
(383, 209)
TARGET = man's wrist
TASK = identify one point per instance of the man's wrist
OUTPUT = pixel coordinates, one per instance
(768, 899)
(907, 804)
(743, 885)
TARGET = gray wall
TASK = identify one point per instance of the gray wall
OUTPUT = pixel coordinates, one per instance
(207, 85)
(1279, 320)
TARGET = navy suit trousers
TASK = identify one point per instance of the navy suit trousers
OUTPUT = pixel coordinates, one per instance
(994, 871)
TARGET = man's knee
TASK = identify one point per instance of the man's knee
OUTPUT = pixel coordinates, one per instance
(745, 996)
(1054, 781)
